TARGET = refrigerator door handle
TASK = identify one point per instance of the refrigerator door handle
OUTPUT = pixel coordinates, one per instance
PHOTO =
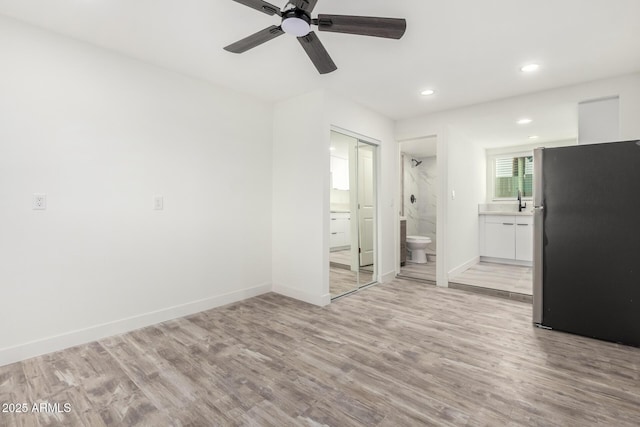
(538, 236)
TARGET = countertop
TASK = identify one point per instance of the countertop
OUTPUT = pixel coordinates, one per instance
(505, 209)
(506, 213)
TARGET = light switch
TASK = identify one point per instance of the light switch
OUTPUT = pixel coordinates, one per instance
(39, 202)
(158, 203)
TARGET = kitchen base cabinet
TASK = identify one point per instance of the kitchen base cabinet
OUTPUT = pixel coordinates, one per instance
(507, 237)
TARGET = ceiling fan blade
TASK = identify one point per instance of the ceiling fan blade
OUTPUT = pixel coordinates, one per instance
(390, 28)
(317, 53)
(262, 6)
(306, 5)
(255, 39)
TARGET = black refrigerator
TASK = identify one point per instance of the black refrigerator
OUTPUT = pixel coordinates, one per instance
(587, 240)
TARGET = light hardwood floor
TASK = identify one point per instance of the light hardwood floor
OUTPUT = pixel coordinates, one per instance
(419, 271)
(500, 277)
(342, 280)
(398, 354)
(341, 257)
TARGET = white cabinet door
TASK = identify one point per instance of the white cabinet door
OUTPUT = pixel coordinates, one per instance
(500, 240)
(336, 239)
(524, 240)
(340, 230)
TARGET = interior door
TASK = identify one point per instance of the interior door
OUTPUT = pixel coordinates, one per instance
(366, 204)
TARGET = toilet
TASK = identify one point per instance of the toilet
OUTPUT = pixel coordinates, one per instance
(418, 246)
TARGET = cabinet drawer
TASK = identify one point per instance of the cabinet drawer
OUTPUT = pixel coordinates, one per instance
(339, 225)
(524, 220)
(500, 219)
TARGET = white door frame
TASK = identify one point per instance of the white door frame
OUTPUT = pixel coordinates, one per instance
(442, 276)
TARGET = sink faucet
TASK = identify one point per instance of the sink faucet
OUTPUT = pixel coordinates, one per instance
(520, 205)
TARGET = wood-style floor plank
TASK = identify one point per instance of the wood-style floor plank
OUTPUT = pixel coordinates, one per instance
(501, 277)
(403, 353)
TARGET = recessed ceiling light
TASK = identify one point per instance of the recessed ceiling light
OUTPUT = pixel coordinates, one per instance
(524, 121)
(530, 68)
(332, 148)
(534, 137)
(427, 92)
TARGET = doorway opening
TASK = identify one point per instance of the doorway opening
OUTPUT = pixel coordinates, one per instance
(353, 214)
(419, 189)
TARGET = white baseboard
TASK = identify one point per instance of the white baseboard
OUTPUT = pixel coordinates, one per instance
(459, 269)
(387, 277)
(506, 261)
(320, 300)
(31, 349)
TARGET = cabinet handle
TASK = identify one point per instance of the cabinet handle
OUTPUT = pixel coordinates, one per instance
(334, 219)
(334, 233)
(507, 223)
(523, 225)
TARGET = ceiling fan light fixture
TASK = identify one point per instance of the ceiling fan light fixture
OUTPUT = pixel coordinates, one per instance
(296, 26)
(296, 20)
(296, 23)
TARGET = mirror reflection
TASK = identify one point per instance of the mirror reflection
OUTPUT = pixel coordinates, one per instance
(352, 239)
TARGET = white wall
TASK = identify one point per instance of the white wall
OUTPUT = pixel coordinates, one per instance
(466, 172)
(101, 135)
(301, 190)
(300, 187)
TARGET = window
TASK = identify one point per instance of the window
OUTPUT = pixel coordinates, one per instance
(512, 174)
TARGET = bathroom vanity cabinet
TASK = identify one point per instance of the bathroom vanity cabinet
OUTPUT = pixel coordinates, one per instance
(507, 237)
(340, 229)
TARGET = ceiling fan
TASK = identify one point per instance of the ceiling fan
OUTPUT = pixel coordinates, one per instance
(296, 20)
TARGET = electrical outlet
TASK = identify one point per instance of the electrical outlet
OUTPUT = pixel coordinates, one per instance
(158, 203)
(39, 202)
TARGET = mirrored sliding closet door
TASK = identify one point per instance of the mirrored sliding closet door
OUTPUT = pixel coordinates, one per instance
(352, 228)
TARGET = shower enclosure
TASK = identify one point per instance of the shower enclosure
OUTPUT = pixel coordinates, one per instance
(419, 209)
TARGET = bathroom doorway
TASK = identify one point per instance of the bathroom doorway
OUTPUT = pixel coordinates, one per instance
(353, 212)
(419, 189)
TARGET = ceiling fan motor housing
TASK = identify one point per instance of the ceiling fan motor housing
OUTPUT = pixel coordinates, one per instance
(296, 22)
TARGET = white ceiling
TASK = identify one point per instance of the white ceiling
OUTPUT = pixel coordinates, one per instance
(469, 51)
(551, 123)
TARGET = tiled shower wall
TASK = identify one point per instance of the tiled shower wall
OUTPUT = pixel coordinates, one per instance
(422, 182)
